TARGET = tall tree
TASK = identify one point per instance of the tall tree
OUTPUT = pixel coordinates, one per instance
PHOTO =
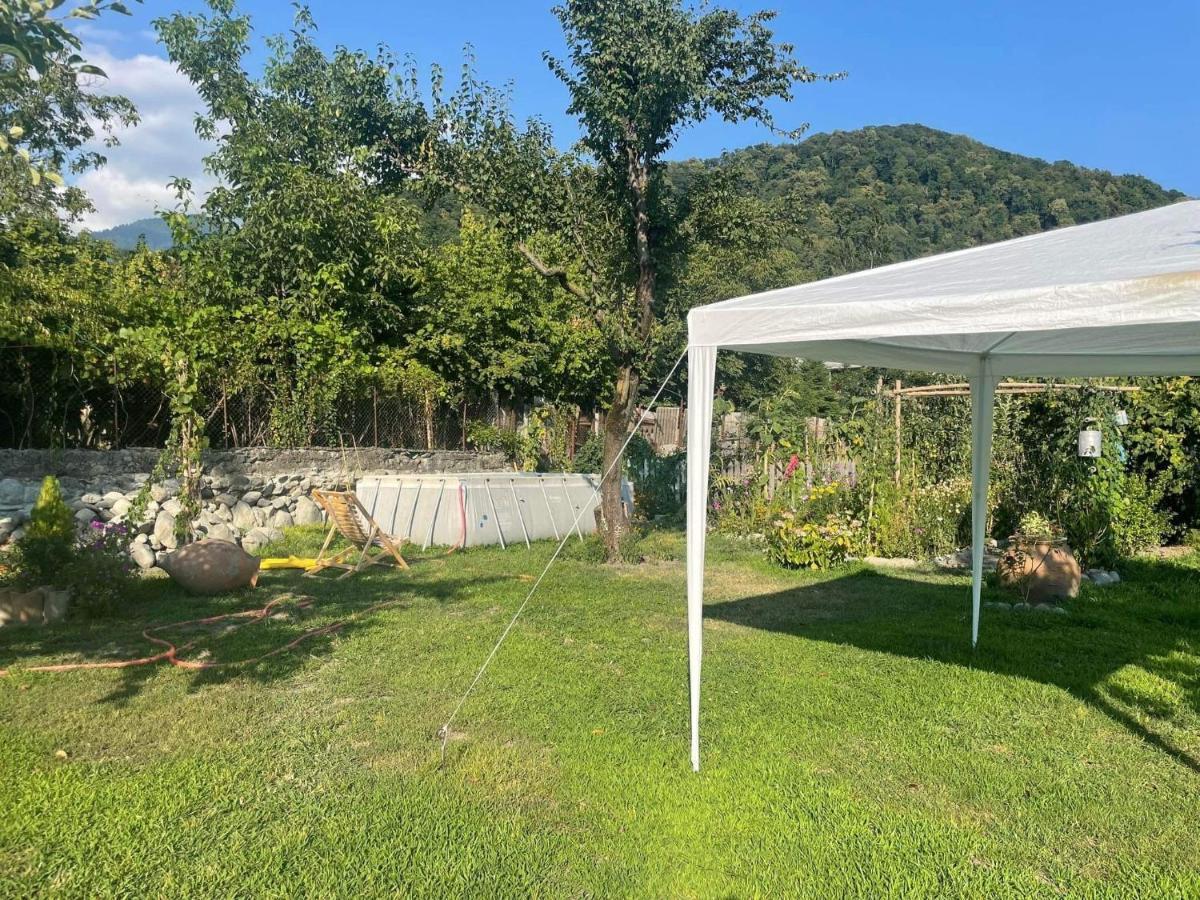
(49, 110)
(639, 72)
(308, 243)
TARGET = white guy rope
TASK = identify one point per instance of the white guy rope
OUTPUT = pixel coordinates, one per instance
(444, 731)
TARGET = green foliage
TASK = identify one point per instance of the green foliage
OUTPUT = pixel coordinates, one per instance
(305, 258)
(797, 543)
(1163, 439)
(1105, 511)
(49, 116)
(589, 456)
(920, 519)
(773, 215)
(657, 480)
(98, 573)
(516, 445)
(1137, 522)
(485, 320)
(638, 74)
(804, 392)
(49, 538)
(1036, 527)
(893, 192)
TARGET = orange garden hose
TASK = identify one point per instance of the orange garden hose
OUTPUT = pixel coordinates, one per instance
(170, 654)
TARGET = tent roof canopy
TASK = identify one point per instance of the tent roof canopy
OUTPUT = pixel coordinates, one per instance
(1115, 297)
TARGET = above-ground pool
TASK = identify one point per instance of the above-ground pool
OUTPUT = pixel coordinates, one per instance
(469, 510)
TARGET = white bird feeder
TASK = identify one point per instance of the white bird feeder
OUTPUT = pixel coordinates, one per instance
(1121, 418)
(1089, 440)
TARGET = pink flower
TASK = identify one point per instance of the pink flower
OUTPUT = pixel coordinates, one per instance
(793, 464)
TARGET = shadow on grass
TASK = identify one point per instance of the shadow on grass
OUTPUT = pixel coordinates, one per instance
(160, 602)
(1151, 621)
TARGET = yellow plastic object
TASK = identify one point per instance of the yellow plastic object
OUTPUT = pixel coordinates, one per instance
(290, 562)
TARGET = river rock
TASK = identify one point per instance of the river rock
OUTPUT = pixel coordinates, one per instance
(164, 530)
(243, 516)
(307, 512)
(143, 555)
(255, 539)
(222, 532)
(85, 516)
(107, 501)
(12, 492)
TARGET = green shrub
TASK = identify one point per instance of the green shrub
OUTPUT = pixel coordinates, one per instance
(1036, 526)
(98, 572)
(590, 455)
(797, 544)
(657, 486)
(1138, 522)
(921, 521)
(518, 447)
(49, 542)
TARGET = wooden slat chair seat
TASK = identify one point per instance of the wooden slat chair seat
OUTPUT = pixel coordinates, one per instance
(347, 516)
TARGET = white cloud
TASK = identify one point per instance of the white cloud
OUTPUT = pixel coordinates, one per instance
(163, 145)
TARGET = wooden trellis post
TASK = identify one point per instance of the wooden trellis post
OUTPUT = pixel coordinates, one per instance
(898, 426)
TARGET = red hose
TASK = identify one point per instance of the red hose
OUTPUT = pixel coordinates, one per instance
(172, 651)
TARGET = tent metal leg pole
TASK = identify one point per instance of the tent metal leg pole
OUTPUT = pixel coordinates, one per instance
(983, 397)
(701, 377)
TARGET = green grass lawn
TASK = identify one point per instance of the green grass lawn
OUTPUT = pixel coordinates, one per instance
(853, 744)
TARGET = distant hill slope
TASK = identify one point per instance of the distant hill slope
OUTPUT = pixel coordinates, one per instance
(126, 237)
(889, 193)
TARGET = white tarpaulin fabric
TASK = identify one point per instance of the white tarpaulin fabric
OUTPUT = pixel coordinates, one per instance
(1110, 298)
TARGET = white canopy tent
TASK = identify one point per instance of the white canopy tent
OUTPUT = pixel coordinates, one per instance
(1113, 298)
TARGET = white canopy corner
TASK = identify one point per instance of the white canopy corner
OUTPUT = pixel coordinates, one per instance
(1119, 297)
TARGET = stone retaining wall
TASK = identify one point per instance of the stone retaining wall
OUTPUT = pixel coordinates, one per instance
(249, 495)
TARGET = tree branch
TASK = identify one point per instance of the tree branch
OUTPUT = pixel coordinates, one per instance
(553, 273)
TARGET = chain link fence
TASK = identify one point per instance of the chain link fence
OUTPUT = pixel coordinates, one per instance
(46, 402)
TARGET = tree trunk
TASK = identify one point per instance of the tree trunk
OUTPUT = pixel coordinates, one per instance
(620, 415)
(613, 522)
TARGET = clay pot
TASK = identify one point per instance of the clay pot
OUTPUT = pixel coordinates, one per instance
(1041, 570)
(211, 567)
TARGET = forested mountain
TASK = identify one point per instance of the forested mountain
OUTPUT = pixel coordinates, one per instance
(888, 193)
(152, 230)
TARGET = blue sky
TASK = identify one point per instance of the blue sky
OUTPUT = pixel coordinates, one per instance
(1104, 84)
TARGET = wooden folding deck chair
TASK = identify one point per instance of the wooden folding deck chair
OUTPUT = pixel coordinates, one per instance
(348, 516)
